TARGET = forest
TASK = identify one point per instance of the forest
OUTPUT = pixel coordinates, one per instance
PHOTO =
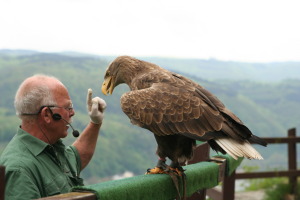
(265, 96)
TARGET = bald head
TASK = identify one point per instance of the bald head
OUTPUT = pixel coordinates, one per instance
(35, 92)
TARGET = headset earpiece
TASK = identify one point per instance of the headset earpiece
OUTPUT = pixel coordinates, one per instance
(56, 116)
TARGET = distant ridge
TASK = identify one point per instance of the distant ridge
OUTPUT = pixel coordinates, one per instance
(209, 69)
(17, 52)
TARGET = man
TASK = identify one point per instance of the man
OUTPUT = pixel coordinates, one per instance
(37, 163)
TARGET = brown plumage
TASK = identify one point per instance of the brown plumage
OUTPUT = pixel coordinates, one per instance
(178, 111)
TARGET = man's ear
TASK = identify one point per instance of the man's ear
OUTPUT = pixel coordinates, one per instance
(46, 114)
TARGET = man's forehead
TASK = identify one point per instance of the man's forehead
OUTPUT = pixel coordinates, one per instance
(61, 94)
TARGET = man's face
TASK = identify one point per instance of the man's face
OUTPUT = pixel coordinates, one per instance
(65, 109)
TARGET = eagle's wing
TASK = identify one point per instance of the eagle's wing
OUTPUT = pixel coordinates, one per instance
(164, 110)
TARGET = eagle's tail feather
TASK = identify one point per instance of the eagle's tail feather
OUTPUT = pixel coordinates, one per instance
(238, 149)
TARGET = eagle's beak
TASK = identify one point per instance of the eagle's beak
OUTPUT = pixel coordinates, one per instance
(108, 85)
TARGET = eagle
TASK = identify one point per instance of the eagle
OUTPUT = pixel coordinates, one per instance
(178, 111)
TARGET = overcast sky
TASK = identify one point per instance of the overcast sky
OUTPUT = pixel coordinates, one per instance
(239, 30)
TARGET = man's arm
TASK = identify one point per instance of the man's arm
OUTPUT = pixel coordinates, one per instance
(86, 143)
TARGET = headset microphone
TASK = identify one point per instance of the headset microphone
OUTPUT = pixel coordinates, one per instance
(57, 117)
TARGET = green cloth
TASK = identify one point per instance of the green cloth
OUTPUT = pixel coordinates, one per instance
(231, 163)
(160, 186)
(155, 186)
(35, 169)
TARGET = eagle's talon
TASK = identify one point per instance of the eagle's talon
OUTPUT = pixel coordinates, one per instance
(156, 170)
(178, 170)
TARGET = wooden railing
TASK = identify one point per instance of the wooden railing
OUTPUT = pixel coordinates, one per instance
(292, 173)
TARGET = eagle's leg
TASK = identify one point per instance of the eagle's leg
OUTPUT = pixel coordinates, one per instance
(161, 167)
(176, 167)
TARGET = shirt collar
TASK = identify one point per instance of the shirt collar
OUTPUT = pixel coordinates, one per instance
(33, 144)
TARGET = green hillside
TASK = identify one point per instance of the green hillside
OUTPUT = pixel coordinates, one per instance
(267, 108)
(220, 70)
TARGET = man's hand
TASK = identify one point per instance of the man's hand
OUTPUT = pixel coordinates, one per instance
(96, 107)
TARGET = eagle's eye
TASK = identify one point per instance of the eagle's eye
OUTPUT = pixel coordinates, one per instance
(107, 73)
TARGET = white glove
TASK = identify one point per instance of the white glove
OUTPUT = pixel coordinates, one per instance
(96, 107)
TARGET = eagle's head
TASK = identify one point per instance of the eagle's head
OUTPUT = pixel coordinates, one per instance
(121, 70)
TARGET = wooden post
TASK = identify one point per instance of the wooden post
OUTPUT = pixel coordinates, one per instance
(201, 153)
(199, 195)
(229, 187)
(292, 160)
(2, 182)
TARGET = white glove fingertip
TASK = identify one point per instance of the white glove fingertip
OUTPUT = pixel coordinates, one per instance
(89, 99)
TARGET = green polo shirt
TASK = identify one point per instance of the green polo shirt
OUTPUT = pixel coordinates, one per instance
(35, 169)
